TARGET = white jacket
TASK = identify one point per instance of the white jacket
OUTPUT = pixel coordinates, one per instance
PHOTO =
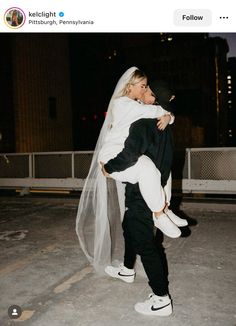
(125, 111)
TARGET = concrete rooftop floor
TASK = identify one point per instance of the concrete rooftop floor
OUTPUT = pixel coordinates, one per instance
(43, 270)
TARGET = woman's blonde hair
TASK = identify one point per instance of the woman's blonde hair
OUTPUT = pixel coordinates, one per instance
(135, 78)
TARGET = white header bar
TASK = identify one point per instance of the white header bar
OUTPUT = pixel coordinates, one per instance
(117, 16)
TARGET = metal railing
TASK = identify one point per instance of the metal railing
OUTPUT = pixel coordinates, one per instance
(195, 170)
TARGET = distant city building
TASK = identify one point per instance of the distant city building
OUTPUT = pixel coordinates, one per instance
(231, 103)
(195, 65)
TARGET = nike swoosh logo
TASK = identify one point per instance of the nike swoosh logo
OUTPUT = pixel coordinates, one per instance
(125, 275)
(155, 309)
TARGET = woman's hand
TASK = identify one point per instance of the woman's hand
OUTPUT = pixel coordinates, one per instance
(107, 175)
(163, 121)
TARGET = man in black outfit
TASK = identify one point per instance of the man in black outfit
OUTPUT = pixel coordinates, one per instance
(145, 138)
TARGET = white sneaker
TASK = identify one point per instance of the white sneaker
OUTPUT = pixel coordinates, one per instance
(155, 306)
(166, 226)
(176, 219)
(125, 274)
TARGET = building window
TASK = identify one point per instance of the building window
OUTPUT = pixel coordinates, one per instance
(52, 108)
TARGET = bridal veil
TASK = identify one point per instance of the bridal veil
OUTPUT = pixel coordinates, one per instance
(101, 206)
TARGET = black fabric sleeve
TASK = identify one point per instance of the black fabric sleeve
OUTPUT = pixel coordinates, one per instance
(135, 145)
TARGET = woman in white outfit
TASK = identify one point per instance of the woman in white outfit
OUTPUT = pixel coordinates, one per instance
(125, 110)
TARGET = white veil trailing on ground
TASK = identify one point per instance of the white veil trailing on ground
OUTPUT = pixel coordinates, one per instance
(101, 206)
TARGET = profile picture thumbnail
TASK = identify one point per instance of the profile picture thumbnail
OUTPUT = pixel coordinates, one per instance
(14, 17)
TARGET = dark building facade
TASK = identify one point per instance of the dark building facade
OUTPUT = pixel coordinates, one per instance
(7, 125)
(36, 100)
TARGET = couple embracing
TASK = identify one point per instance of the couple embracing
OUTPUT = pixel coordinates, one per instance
(135, 149)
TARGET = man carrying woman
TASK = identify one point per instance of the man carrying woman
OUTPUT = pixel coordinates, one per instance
(96, 217)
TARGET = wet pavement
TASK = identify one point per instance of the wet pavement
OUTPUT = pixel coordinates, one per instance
(43, 270)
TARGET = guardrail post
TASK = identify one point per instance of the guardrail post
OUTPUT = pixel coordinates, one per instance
(73, 165)
(30, 166)
(189, 162)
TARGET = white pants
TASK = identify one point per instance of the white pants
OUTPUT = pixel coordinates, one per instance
(149, 179)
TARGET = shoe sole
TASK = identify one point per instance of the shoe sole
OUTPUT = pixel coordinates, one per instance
(179, 224)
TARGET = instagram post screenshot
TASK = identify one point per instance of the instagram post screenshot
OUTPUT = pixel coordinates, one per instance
(117, 163)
